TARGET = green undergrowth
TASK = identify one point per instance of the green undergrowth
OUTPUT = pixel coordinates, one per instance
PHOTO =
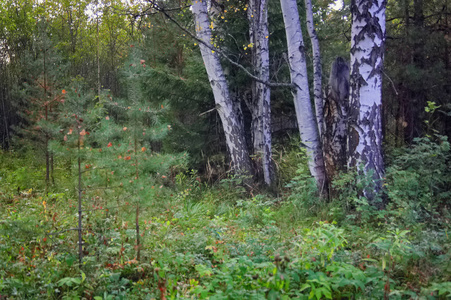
(222, 242)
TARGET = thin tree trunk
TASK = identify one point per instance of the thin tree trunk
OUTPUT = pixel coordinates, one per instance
(308, 128)
(138, 241)
(98, 50)
(6, 138)
(367, 56)
(261, 93)
(46, 111)
(227, 109)
(254, 102)
(80, 236)
(317, 69)
(52, 168)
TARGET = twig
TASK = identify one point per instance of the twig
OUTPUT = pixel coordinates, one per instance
(392, 83)
(208, 111)
(270, 84)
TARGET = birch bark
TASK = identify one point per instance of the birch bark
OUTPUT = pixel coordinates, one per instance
(317, 69)
(227, 109)
(260, 104)
(308, 128)
(367, 56)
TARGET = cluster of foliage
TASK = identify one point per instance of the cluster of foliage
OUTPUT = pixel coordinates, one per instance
(417, 60)
(99, 200)
(220, 242)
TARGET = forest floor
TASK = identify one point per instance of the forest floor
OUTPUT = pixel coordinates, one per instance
(219, 242)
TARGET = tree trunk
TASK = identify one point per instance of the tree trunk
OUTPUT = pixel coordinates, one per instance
(80, 211)
(46, 112)
(365, 123)
(98, 50)
(335, 119)
(308, 128)
(227, 109)
(317, 69)
(260, 105)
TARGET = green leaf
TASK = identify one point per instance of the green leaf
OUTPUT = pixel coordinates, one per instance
(327, 293)
(318, 293)
(304, 287)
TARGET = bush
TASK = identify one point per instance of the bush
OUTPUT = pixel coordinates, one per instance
(419, 178)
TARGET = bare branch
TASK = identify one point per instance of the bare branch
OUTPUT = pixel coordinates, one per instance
(208, 111)
(392, 83)
(220, 52)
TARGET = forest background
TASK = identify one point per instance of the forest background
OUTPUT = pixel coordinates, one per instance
(108, 119)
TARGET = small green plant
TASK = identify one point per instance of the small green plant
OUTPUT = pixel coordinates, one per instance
(319, 286)
(350, 188)
(418, 180)
(396, 249)
(430, 109)
(320, 244)
(442, 290)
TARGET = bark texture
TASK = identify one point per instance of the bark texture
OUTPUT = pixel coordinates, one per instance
(308, 128)
(260, 103)
(367, 56)
(335, 118)
(228, 111)
(317, 69)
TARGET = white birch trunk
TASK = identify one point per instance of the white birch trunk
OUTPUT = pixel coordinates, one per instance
(317, 69)
(260, 105)
(367, 55)
(308, 128)
(227, 109)
(254, 102)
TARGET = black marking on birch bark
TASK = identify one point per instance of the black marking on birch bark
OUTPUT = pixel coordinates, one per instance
(365, 131)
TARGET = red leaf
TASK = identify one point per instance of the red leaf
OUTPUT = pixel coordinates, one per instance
(109, 145)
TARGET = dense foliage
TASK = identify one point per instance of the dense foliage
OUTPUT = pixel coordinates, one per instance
(219, 242)
(114, 174)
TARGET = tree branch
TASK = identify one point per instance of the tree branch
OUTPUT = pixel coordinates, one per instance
(193, 36)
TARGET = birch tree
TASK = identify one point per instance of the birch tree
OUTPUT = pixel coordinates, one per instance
(298, 70)
(317, 69)
(228, 110)
(365, 116)
(260, 104)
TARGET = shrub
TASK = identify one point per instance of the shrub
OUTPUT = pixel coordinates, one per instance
(419, 178)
